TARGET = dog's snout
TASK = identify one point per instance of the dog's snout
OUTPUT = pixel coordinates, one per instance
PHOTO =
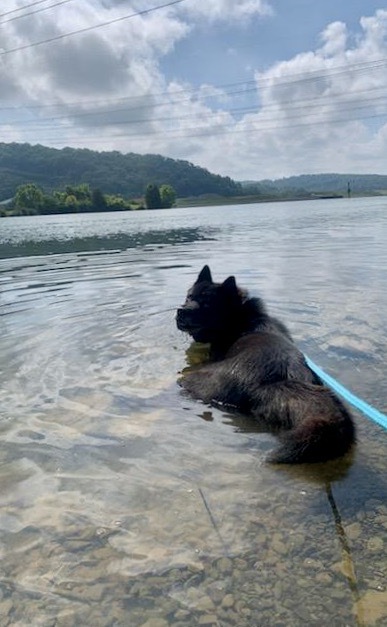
(180, 316)
(184, 315)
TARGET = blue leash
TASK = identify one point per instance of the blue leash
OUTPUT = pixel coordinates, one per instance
(357, 402)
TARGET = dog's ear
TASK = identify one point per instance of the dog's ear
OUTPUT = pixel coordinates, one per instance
(229, 287)
(204, 275)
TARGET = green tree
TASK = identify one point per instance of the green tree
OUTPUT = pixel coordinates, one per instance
(152, 197)
(71, 202)
(117, 203)
(98, 200)
(81, 192)
(28, 196)
(167, 195)
(59, 197)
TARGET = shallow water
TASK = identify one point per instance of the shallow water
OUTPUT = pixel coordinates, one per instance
(124, 502)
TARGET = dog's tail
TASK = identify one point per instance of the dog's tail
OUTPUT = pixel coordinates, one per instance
(317, 426)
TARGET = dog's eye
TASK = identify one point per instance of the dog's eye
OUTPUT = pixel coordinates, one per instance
(191, 304)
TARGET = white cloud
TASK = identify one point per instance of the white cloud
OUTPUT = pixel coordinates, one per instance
(228, 10)
(316, 101)
(335, 38)
(92, 72)
(310, 105)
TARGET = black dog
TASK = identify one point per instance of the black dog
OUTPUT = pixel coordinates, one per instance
(255, 368)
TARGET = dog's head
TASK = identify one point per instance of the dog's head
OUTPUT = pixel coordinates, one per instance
(211, 310)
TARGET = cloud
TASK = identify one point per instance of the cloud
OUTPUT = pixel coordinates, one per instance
(320, 110)
(89, 73)
(87, 65)
(335, 38)
(327, 105)
(228, 10)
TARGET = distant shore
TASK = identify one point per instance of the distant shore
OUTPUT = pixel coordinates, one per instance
(201, 201)
(204, 201)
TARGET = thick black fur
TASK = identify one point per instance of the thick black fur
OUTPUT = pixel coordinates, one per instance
(255, 368)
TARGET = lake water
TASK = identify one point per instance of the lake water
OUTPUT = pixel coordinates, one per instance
(125, 503)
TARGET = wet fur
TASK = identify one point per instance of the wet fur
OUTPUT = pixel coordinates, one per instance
(255, 368)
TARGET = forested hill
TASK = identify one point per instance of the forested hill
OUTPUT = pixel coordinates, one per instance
(111, 172)
(327, 183)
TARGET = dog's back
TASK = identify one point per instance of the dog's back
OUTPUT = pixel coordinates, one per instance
(257, 369)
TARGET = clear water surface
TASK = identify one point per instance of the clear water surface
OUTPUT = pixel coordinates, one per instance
(125, 503)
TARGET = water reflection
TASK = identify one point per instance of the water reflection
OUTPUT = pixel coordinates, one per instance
(113, 242)
(125, 502)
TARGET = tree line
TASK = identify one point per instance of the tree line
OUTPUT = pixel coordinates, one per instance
(31, 199)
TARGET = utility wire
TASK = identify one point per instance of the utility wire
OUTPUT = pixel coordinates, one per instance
(25, 6)
(90, 28)
(318, 103)
(19, 17)
(366, 67)
(219, 130)
(301, 103)
(338, 69)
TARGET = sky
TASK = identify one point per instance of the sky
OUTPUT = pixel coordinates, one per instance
(251, 89)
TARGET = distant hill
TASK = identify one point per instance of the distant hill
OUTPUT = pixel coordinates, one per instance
(322, 184)
(111, 172)
(129, 174)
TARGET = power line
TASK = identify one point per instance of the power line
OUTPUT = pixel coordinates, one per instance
(303, 103)
(191, 90)
(90, 28)
(224, 129)
(309, 104)
(316, 75)
(19, 17)
(206, 133)
(25, 6)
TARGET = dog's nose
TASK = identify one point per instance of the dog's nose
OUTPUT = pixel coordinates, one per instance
(183, 316)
